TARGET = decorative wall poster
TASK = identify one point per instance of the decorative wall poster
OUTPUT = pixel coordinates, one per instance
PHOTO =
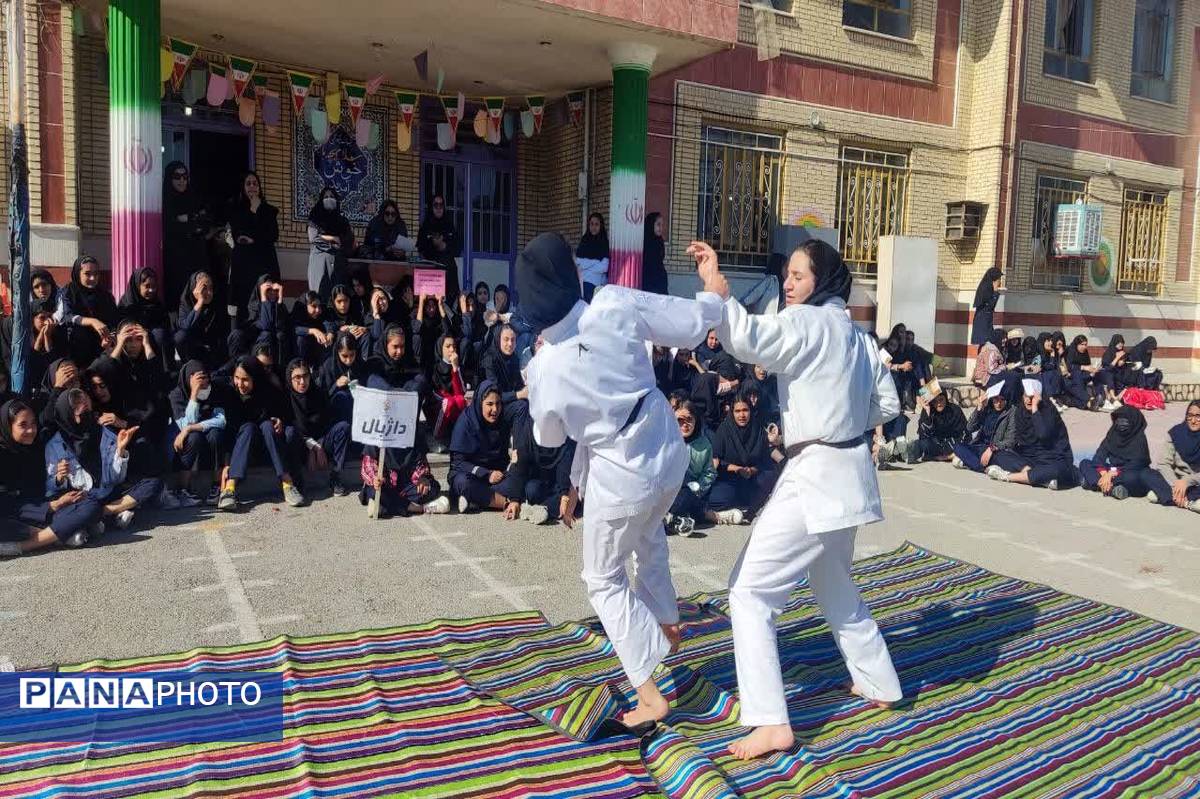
(358, 172)
(300, 83)
(408, 108)
(182, 54)
(356, 98)
(575, 102)
(241, 70)
(537, 108)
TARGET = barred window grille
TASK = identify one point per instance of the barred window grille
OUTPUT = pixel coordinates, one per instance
(1143, 242)
(872, 202)
(740, 182)
(889, 17)
(1058, 274)
(1153, 49)
(1068, 43)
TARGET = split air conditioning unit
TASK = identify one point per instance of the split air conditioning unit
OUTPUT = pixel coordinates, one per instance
(1077, 230)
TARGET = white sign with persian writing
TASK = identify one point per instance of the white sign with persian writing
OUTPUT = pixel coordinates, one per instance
(384, 418)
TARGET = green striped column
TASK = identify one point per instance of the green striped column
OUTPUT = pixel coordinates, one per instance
(627, 197)
(135, 138)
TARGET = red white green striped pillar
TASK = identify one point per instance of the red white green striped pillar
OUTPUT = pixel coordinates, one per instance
(627, 197)
(135, 137)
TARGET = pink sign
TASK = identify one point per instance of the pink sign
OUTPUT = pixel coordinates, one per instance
(430, 282)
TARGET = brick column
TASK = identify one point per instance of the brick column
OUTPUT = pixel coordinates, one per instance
(627, 191)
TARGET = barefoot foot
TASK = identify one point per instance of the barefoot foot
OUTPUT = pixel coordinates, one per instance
(674, 636)
(647, 710)
(879, 703)
(771, 738)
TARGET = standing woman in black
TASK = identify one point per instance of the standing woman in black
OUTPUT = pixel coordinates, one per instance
(331, 240)
(254, 226)
(987, 294)
(654, 255)
(439, 241)
(185, 229)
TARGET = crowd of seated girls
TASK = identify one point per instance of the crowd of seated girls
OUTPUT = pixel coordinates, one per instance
(728, 414)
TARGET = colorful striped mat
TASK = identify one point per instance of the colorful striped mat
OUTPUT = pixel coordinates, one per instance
(1014, 690)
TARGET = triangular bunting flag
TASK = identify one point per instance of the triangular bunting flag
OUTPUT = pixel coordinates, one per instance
(408, 107)
(575, 102)
(260, 88)
(453, 115)
(356, 98)
(495, 111)
(218, 84)
(300, 82)
(537, 107)
(182, 54)
(242, 71)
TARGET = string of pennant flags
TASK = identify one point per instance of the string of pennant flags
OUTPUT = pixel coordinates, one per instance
(222, 82)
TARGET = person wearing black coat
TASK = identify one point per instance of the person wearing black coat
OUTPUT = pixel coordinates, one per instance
(142, 303)
(480, 471)
(345, 365)
(254, 227)
(267, 323)
(746, 472)
(382, 232)
(501, 365)
(309, 319)
(940, 428)
(439, 241)
(1042, 456)
(654, 255)
(87, 311)
(201, 329)
(186, 228)
(1121, 467)
(313, 435)
(987, 294)
(49, 339)
(198, 428)
(331, 240)
(543, 472)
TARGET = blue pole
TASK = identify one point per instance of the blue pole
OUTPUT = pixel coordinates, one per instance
(18, 258)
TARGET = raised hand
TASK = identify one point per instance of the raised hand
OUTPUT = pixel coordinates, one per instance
(709, 268)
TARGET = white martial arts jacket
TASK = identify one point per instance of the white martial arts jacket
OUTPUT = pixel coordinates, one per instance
(833, 387)
(586, 379)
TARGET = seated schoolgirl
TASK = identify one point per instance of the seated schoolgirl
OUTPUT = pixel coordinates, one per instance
(87, 311)
(989, 363)
(392, 366)
(199, 431)
(1042, 456)
(31, 521)
(433, 321)
(49, 337)
(345, 365)
(1014, 350)
(202, 329)
(1053, 371)
(940, 427)
(142, 303)
(1121, 466)
(1139, 372)
(480, 473)
(254, 422)
(308, 324)
(543, 472)
(405, 483)
(136, 378)
(61, 376)
(691, 503)
(981, 429)
(746, 472)
(343, 315)
(267, 323)
(316, 439)
(449, 398)
(1084, 384)
(84, 456)
(763, 385)
(501, 366)
(1178, 472)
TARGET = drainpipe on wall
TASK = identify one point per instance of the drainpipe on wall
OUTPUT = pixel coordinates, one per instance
(585, 178)
(1008, 158)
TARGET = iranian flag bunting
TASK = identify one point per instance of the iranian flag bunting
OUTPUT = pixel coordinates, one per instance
(408, 106)
(182, 54)
(242, 71)
(495, 111)
(356, 98)
(300, 83)
(537, 107)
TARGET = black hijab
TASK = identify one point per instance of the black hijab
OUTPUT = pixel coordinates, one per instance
(833, 278)
(443, 373)
(593, 247)
(1143, 352)
(654, 255)
(1186, 442)
(1127, 447)
(48, 305)
(97, 303)
(261, 403)
(22, 467)
(745, 446)
(382, 234)
(547, 281)
(505, 369)
(1030, 349)
(352, 316)
(150, 314)
(83, 437)
(984, 291)
(996, 339)
(254, 303)
(475, 438)
(395, 371)
(310, 410)
(1111, 352)
(333, 368)
(332, 223)
(182, 393)
(300, 315)
(1074, 356)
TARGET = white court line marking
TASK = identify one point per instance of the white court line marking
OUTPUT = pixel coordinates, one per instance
(442, 564)
(456, 534)
(510, 594)
(9, 615)
(699, 573)
(518, 588)
(244, 620)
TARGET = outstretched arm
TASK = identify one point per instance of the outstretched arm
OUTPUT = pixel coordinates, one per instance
(667, 321)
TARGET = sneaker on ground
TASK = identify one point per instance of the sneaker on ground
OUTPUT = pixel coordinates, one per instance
(996, 473)
(956, 462)
(1052, 485)
(685, 526)
(96, 529)
(214, 494)
(731, 516)
(534, 513)
(439, 505)
(911, 452)
(1152, 497)
(187, 499)
(10, 549)
(336, 486)
(1194, 506)
(168, 501)
(77, 540)
(227, 500)
(123, 519)
(463, 505)
(1119, 492)
(292, 495)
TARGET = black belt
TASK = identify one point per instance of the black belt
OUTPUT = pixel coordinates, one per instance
(637, 408)
(795, 449)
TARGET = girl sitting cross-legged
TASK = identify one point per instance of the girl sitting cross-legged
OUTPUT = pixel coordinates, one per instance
(1180, 464)
(405, 484)
(1042, 456)
(479, 457)
(312, 433)
(691, 503)
(1121, 466)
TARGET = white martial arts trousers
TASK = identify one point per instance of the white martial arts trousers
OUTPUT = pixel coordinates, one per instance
(777, 555)
(631, 614)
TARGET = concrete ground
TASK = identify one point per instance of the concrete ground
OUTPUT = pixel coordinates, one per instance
(185, 579)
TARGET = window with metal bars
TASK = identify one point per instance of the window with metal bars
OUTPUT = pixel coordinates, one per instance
(1068, 45)
(872, 202)
(889, 17)
(1153, 49)
(740, 178)
(1048, 272)
(1143, 242)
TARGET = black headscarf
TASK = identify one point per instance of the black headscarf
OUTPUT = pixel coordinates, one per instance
(262, 401)
(97, 303)
(382, 234)
(547, 280)
(654, 255)
(300, 316)
(333, 368)
(1030, 350)
(984, 291)
(150, 314)
(22, 466)
(352, 316)
(395, 371)
(478, 440)
(1143, 352)
(1074, 356)
(1127, 447)
(1186, 442)
(832, 275)
(443, 373)
(254, 302)
(49, 304)
(82, 438)
(503, 370)
(332, 223)
(310, 410)
(593, 247)
(182, 393)
(996, 339)
(745, 446)
(1111, 352)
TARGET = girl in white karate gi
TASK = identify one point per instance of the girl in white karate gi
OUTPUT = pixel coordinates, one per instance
(832, 387)
(593, 381)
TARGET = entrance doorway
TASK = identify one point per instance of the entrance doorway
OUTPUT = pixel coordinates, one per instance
(215, 147)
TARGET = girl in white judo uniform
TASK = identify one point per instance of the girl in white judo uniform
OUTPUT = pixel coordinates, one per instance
(592, 380)
(832, 387)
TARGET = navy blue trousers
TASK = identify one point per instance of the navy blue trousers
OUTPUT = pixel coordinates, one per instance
(250, 439)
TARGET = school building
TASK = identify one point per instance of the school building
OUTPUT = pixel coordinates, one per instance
(964, 123)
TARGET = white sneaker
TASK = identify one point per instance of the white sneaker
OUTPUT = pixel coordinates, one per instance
(463, 505)
(685, 526)
(1152, 497)
(123, 519)
(956, 462)
(77, 540)
(1111, 406)
(996, 473)
(534, 514)
(167, 500)
(1052, 485)
(731, 516)
(1194, 506)
(439, 505)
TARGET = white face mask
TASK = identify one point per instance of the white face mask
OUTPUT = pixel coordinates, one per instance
(203, 393)
(330, 203)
